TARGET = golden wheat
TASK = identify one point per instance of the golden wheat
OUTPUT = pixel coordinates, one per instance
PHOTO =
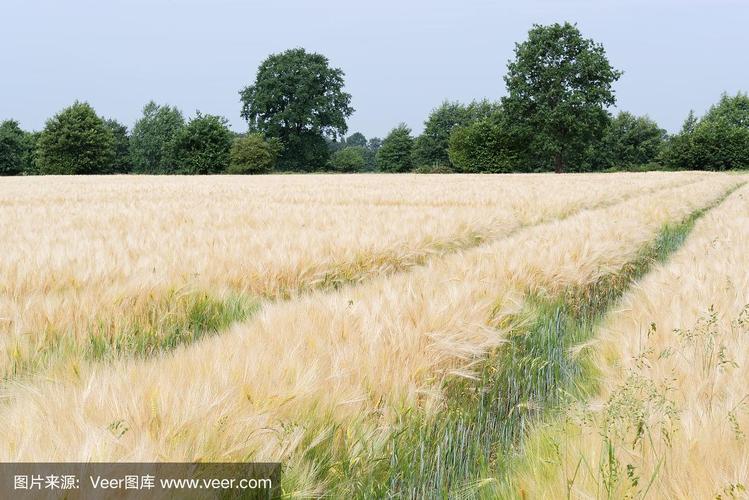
(672, 417)
(112, 253)
(364, 352)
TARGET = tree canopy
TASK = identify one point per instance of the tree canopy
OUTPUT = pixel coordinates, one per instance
(431, 147)
(121, 163)
(396, 152)
(718, 141)
(628, 141)
(11, 148)
(348, 159)
(356, 139)
(558, 88)
(734, 110)
(75, 141)
(298, 98)
(253, 154)
(202, 147)
(152, 140)
(489, 144)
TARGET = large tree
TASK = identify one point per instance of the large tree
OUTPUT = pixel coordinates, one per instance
(152, 140)
(558, 89)
(11, 148)
(298, 98)
(75, 141)
(202, 147)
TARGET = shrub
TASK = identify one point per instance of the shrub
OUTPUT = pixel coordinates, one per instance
(628, 141)
(436, 169)
(75, 141)
(396, 152)
(431, 147)
(714, 145)
(348, 159)
(484, 146)
(719, 141)
(253, 154)
(202, 147)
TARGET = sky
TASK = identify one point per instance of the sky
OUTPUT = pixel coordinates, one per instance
(401, 58)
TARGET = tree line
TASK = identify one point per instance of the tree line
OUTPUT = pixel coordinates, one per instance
(554, 117)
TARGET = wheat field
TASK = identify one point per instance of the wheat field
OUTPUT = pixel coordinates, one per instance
(317, 320)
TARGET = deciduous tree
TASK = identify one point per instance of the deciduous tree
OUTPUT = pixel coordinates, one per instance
(75, 141)
(11, 148)
(152, 140)
(431, 147)
(558, 87)
(348, 159)
(628, 141)
(298, 98)
(202, 147)
(396, 152)
(121, 163)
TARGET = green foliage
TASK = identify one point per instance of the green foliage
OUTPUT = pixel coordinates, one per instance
(30, 165)
(305, 152)
(370, 154)
(121, 163)
(629, 141)
(559, 86)
(152, 140)
(75, 141)
(356, 139)
(348, 159)
(253, 154)
(733, 110)
(396, 152)
(486, 145)
(719, 141)
(202, 147)
(472, 447)
(297, 97)
(431, 147)
(713, 145)
(11, 148)
(436, 169)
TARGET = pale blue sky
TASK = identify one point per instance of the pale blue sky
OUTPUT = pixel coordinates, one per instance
(401, 58)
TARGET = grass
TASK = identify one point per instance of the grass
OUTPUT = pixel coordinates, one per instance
(670, 418)
(471, 446)
(179, 318)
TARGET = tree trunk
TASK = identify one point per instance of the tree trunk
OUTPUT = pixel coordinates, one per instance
(558, 163)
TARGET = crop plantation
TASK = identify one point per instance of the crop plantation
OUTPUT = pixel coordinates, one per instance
(512, 336)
